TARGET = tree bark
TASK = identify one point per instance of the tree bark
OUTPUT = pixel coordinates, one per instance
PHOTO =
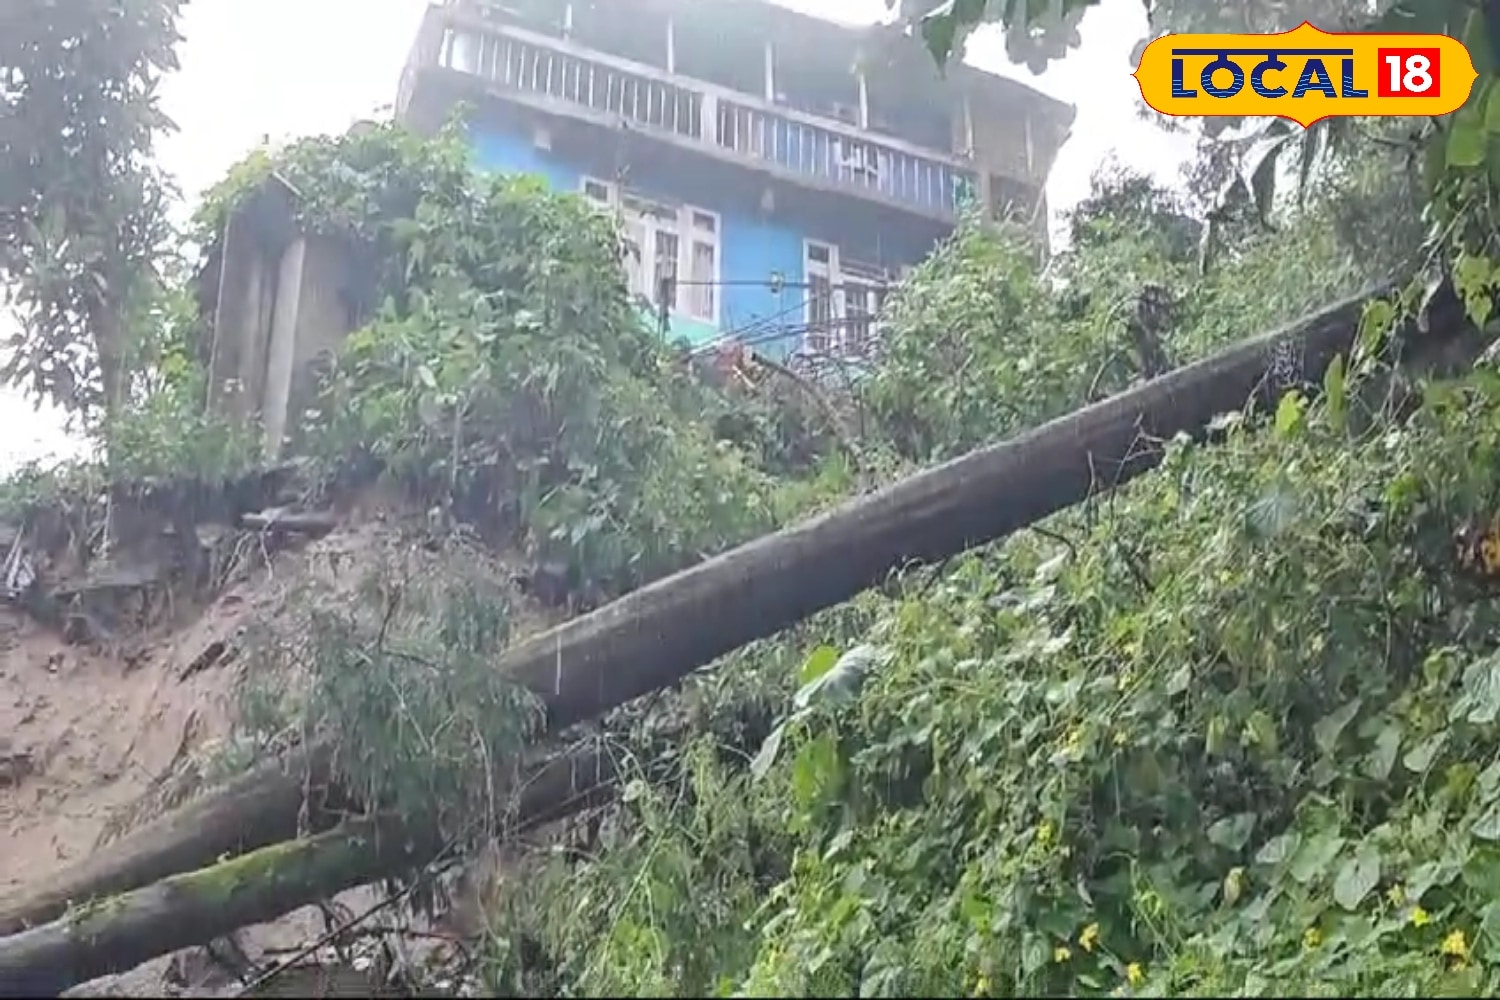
(259, 808)
(114, 934)
(655, 636)
(118, 933)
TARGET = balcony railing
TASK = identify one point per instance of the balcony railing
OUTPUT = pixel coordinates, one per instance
(542, 71)
(556, 74)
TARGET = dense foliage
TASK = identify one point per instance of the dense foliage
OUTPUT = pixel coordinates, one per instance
(1231, 730)
(1201, 739)
(81, 203)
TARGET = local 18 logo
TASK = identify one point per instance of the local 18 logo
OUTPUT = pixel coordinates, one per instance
(1305, 74)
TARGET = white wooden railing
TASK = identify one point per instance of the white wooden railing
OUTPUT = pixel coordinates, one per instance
(841, 157)
(826, 152)
(505, 61)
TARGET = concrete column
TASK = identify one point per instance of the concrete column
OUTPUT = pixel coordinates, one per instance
(282, 353)
(324, 321)
(239, 330)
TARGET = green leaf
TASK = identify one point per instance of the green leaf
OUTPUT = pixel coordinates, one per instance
(1476, 39)
(1289, 414)
(1434, 166)
(1260, 731)
(1278, 849)
(946, 24)
(1326, 731)
(766, 756)
(841, 682)
(1492, 108)
(1315, 855)
(1420, 758)
(1480, 701)
(1356, 877)
(1466, 145)
(1335, 394)
(1382, 759)
(1232, 832)
(1489, 924)
(1426, 875)
(818, 662)
(1487, 827)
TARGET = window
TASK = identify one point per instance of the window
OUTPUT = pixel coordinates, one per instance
(864, 287)
(672, 249)
(820, 312)
(668, 253)
(844, 299)
(703, 268)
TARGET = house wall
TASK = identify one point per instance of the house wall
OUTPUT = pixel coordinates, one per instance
(749, 248)
(755, 242)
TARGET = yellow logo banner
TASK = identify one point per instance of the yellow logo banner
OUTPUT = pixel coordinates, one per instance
(1305, 74)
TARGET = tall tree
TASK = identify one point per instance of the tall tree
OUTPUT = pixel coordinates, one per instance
(81, 204)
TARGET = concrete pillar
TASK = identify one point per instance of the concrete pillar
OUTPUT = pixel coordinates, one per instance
(324, 321)
(237, 357)
(282, 352)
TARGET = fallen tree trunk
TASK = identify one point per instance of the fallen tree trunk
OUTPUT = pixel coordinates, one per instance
(660, 633)
(256, 809)
(118, 933)
(114, 934)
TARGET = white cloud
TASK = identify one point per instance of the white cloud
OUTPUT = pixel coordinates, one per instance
(256, 69)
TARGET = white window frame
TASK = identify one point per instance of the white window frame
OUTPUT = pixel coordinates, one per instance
(697, 301)
(843, 282)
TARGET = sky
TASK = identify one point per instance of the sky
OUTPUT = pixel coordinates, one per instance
(253, 70)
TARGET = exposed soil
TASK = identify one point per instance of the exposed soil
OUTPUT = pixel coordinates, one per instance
(95, 741)
(98, 727)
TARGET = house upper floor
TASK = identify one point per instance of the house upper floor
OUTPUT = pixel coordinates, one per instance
(862, 113)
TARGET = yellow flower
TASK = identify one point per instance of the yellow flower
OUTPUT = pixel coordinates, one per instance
(1074, 742)
(1089, 937)
(1044, 832)
(1061, 954)
(1456, 946)
(1312, 937)
(1135, 974)
(982, 985)
(1420, 917)
(1121, 737)
(1397, 895)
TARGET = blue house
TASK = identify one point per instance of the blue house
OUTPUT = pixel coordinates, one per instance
(775, 173)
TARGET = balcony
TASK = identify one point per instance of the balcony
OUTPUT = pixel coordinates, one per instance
(555, 76)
